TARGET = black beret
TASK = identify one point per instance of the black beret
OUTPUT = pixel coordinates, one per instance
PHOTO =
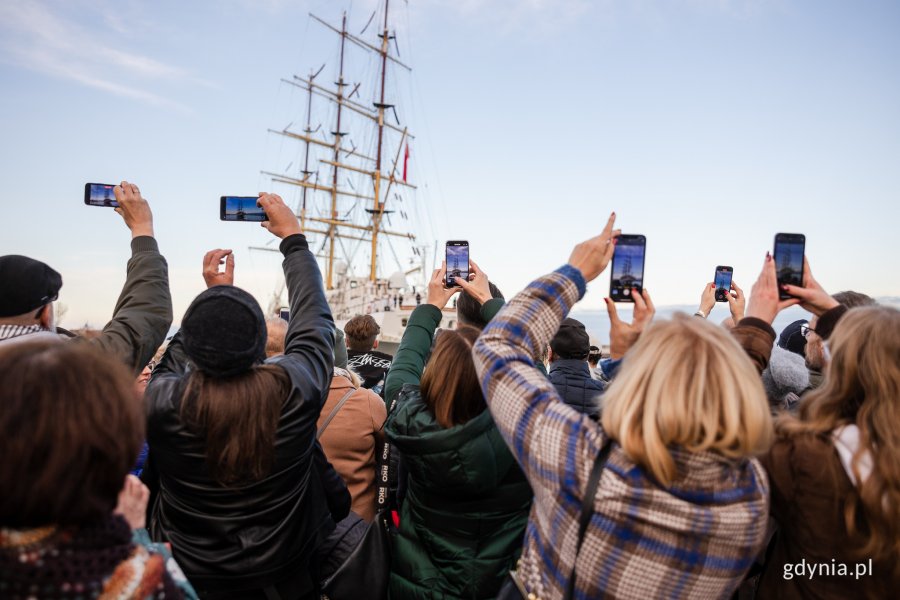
(792, 339)
(571, 341)
(26, 284)
(224, 331)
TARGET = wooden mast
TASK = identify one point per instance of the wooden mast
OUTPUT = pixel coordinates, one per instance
(378, 205)
(338, 137)
(306, 171)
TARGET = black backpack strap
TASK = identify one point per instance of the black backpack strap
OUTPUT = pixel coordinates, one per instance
(587, 507)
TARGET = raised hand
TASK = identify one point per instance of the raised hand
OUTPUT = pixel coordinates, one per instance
(592, 256)
(764, 302)
(438, 295)
(133, 502)
(708, 299)
(134, 209)
(282, 221)
(211, 263)
(812, 296)
(622, 335)
(478, 285)
(736, 302)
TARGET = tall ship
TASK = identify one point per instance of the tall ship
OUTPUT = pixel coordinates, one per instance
(350, 181)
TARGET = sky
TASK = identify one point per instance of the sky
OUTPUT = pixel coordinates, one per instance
(707, 125)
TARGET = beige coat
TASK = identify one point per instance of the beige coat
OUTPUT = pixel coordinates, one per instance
(353, 438)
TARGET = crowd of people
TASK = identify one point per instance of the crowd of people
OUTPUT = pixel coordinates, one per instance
(267, 459)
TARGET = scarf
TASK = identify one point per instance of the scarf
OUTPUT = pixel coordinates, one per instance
(8, 332)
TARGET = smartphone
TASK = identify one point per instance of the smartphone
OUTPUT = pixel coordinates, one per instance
(788, 257)
(457, 262)
(100, 194)
(723, 283)
(627, 267)
(285, 313)
(241, 208)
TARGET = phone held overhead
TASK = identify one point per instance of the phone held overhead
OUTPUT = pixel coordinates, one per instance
(457, 262)
(100, 194)
(723, 282)
(627, 267)
(788, 257)
(241, 208)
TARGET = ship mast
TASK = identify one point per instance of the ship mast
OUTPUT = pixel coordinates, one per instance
(378, 205)
(338, 138)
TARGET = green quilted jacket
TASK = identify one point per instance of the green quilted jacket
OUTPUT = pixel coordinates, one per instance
(467, 501)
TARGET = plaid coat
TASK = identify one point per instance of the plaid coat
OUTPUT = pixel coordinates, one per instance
(695, 539)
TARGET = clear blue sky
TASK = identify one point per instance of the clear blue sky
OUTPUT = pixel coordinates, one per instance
(708, 125)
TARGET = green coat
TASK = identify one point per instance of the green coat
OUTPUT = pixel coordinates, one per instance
(467, 501)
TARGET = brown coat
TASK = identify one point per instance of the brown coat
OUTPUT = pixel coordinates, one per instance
(352, 439)
(809, 488)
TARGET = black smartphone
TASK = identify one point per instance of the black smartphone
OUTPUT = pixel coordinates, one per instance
(627, 267)
(100, 194)
(723, 282)
(285, 313)
(241, 208)
(457, 262)
(788, 257)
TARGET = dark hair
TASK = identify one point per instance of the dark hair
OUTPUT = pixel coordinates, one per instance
(468, 310)
(361, 332)
(450, 384)
(238, 417)
(71, 426)
(852, 299)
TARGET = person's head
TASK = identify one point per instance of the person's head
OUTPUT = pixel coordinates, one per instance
(276, 330)
(450, 384)
(570, 342)
(231, 400)
(468, 310)
(862, 388)
(361, 332)
(686, 383)
(792, 338)
(815, 345)
(28, 288)
(594, 356)
(71, 427)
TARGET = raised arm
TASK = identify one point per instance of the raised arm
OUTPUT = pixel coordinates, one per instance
(525, 405)
(143, 312)
(409, 361)
(309, 342)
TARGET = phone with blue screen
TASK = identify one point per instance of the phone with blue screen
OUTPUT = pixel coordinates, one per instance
(723, 283)
(457, 262)
(627, 277)
(788, 257)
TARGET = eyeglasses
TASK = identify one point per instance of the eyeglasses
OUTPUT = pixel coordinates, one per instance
(805, 330)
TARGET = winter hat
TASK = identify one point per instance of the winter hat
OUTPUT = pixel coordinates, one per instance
(571, 340)
(26, 284)
(792, 339)
(224, 331)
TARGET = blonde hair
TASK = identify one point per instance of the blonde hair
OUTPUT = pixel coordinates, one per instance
(686, 383)
(862, 388)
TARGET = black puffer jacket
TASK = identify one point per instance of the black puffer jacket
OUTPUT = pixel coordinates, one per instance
(572, 379)
(232, 541)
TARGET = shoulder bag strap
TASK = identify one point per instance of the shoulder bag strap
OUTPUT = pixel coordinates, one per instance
(587, 508)
(334, 411)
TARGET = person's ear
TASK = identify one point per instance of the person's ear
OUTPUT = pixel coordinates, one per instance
(550, 355)
(46, 316)
(375, 345)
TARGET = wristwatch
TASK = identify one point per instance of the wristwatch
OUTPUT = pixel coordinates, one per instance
(700, 313)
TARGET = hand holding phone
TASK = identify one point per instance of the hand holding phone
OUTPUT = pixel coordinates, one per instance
(627, 267)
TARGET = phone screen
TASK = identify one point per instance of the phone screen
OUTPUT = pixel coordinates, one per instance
(723, 283)
(457, 262)
(789, 248)
(285, 314)
(241, 208)
(100, 194)
(627, 267)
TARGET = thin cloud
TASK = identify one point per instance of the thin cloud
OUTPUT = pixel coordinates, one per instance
(37, 38)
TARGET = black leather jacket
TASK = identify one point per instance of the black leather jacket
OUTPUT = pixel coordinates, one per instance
(254, 535)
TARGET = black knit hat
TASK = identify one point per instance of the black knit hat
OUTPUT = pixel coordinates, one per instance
(224, 331)
(26, 284)
(792, 339)
(571, 341)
